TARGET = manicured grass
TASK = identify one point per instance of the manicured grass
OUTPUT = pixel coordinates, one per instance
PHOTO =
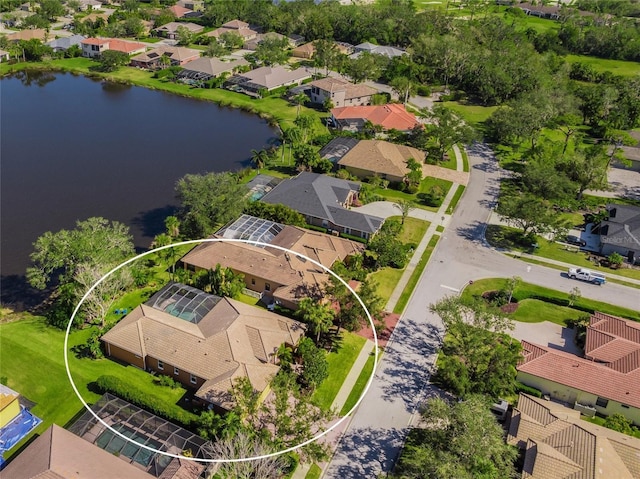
(415, 276)
(465, 159)
(552, 296)
(454, 201)
(359, 386)
(386, 279)
(617, 67)
(32, 359)
(474, 115)
(394, 195)
(451, 162)
(440, 229)
(340, 360)
(314, 472)
(413, 229)
(536, 311)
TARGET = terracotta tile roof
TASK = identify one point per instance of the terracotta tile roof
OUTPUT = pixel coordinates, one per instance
(581, 374)
(388, 116)
(179, 54)
(559, 444)
(179, 11)
(60, 454)
(351, 90)
(236, 24)
(381, 157)
(230, 338)
(29, 34)
(613, 341)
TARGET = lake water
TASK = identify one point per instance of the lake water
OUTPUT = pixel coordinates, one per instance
(72, 147)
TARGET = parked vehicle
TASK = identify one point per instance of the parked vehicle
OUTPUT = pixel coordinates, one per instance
(574, 240)
(587, 275)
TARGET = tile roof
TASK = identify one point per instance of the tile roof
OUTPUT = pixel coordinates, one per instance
(172, 27)
(388, 116)
(559, 444)
(229, 339)
(273, 77)
(581, 374)
(351, 90)
(381, 157)
(60, 454)
(323, 196)
(115, 44)
(307, 50)
(28, 34)
(179, 54)
(613, 341)
(179, 11)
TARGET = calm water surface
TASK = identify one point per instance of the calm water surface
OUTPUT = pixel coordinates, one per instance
(72, 147)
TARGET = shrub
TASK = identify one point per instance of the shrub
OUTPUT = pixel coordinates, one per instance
(164, 380)
(423, 90)
(142, 399)
(523, 388)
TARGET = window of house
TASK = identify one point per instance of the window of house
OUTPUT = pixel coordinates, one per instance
(253, 281)
(192, 378)
(267, 286)
(160, 365)
(176, 371)
(602, 402)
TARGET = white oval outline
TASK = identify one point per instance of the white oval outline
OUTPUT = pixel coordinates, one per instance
(216, 461)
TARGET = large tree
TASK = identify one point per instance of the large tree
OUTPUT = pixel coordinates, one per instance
(318, 316)
(208, 202)
(459, 440)
(446, 128)
(527, 212)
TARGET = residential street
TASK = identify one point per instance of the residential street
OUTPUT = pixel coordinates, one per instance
(375, 435)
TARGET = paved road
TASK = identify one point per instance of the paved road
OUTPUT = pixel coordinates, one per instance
(374, 438)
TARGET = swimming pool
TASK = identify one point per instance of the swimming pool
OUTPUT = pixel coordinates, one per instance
(114, 444)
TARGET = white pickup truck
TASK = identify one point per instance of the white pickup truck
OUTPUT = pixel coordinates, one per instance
(586, 275)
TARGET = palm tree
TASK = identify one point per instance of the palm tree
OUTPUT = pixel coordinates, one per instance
(405, 207)
(172, 224)
(259, 158)
(298, 100)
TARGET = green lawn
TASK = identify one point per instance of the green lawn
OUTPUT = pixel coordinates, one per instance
(32, 359)
(359, 386)
(314, 472)
(617, 67)
(340, 360)
(415, 276)
(386, 279)
(413, 230)
(451, 162)
(456, 197)
(535, 311)
(465, 159)
(474, 115)
(440, 229)
(425, 187)
(550, 296)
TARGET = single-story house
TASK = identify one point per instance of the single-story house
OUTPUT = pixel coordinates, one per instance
(337, 148)
(389, 52)
(93, 47)
(306, 51)
(89, 5)
(341, 92)
(606, 380)
(170, 30)
(620, 232)
(180, 11)
(266, 78)
(58, 453)
(381, 158)
(207, 68)
(234, 26)
(325, 201)
(276, 274)
(391, 116)
(193, 5)
(92, 17)
(152, 60)
(261, 37)
(542, 11)
(64, 43)
(557, 443)
(37, 33)
(203, 341)
(4, 56)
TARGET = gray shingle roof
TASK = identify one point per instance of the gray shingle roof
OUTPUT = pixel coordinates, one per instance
(322, 197)
(623, 226)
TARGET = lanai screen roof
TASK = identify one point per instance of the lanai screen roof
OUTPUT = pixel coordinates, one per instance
(184, 302)
(251, 228)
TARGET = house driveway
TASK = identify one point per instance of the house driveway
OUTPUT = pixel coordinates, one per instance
(460, 177)
(384, 209)
(547, 334)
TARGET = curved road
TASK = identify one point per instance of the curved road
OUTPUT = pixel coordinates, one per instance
(377, 430)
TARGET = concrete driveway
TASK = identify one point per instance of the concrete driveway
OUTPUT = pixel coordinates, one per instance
(548, 334)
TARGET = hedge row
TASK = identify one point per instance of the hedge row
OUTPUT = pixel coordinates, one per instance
(523, 388)
(142, 399)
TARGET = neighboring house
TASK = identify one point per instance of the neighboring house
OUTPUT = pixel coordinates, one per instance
(266, 78)
(9, 405)
(152, 60)
(542, 11)
(306, 51)
(170, 30)
(261, 37)
(194, 5)
(275, 274)
(30, 34)
(203, 341)
(86, 5)
(16, 421)
(93, 47)
(606, 381)
(324, 201)
(4, 56)
(234, 26)
(92, 17)
(340, 92)
(58, 453)
(620, 233)
(381, 158)
(64, 43)
(207, 68)
(389, 52)
(180, 11)
(558, 444)
(337, 148)
(391, 116)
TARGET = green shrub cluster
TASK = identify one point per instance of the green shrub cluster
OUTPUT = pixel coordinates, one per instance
(523, 388)
(142, 399)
